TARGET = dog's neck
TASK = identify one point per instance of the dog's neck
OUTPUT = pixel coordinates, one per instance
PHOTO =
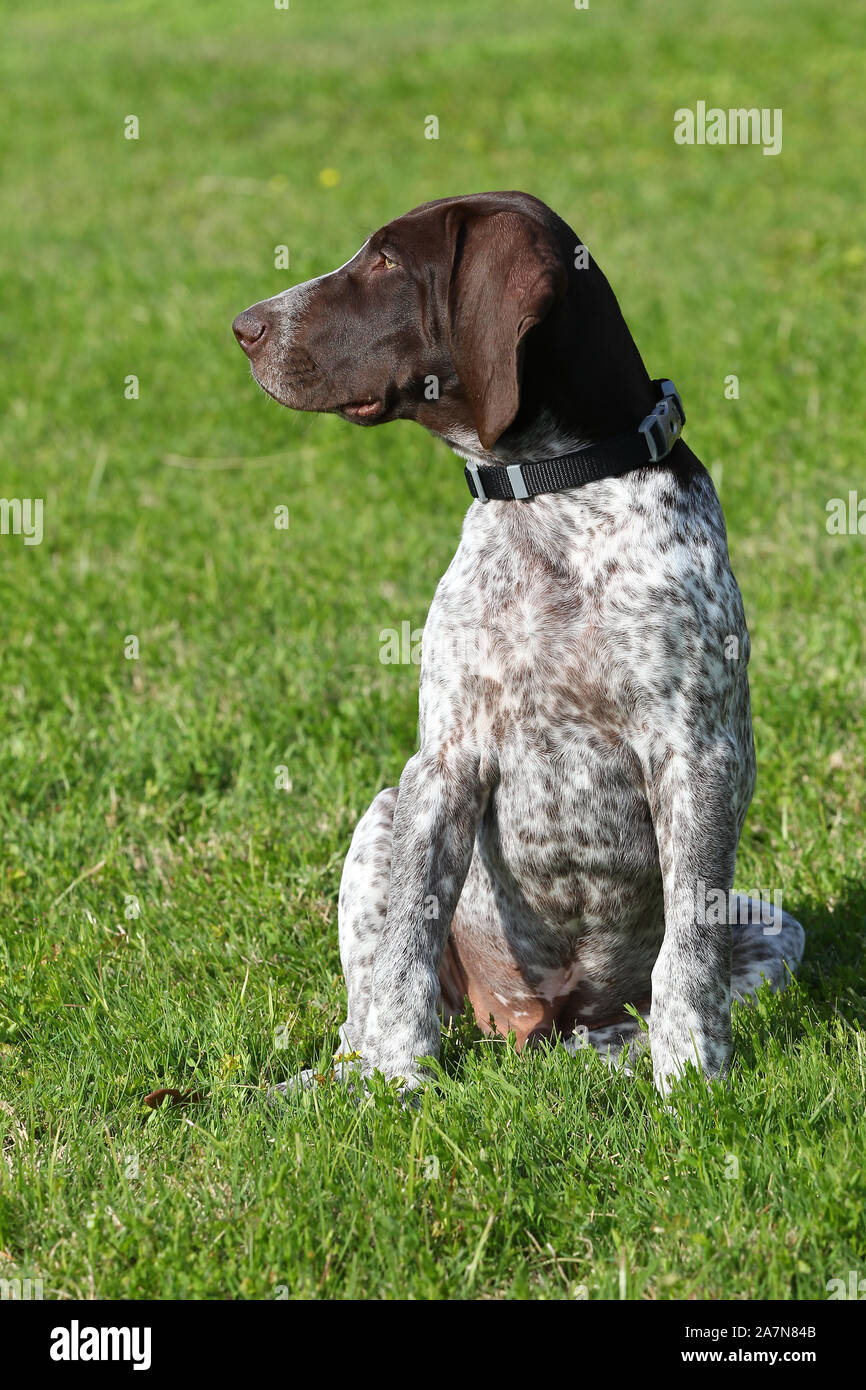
(544, 438)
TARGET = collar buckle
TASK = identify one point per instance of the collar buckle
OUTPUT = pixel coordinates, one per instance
(662, 427)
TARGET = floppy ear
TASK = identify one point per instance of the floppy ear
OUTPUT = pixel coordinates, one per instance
(506, 273)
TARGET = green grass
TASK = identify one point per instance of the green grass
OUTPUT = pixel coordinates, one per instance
(153, 779)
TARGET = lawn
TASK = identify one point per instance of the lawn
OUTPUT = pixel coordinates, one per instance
(167, 894)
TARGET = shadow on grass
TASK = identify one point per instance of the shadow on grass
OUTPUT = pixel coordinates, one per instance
(833, 970)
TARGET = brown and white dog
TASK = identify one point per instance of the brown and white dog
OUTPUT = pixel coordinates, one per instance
(563, 843)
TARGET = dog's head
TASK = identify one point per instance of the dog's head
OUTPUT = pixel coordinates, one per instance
(471, 315)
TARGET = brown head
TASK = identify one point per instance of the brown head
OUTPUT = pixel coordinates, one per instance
(481, 317)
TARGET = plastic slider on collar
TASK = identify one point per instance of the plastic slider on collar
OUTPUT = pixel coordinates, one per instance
(474, 472)
(515, 477)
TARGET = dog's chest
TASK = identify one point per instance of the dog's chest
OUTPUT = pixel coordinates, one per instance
(553, 627)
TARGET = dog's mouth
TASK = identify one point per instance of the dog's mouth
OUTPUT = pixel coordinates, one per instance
(361, 411)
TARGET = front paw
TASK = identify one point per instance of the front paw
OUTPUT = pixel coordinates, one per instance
(351, 1070)
(676, 1049)
(348, 1069)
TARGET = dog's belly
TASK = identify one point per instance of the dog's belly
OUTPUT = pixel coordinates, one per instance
(561, 917)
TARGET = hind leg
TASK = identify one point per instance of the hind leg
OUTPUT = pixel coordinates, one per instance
(363, 904)
(766, 944)
(615, 1043)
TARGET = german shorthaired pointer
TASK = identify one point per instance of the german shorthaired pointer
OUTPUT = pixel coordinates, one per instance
(562, 844)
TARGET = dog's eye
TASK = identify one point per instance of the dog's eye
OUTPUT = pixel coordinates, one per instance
(386, 261)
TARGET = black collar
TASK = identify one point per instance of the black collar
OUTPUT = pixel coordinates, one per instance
(650, 443)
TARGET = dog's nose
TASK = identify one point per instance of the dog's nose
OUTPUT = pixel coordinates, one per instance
(250, 331)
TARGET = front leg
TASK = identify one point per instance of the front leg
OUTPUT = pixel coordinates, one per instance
(697, 812)
(439, 804)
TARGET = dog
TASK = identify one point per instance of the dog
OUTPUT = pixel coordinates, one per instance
(560, 850)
